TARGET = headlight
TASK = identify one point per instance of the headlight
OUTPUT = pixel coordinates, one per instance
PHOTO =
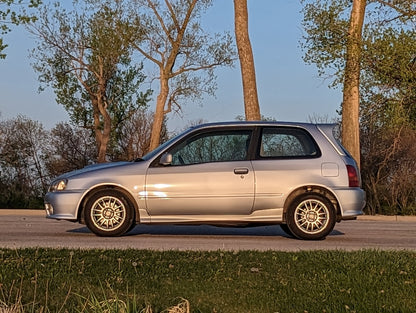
(58, 185)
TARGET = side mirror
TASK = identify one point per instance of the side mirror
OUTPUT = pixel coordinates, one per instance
(166, 159)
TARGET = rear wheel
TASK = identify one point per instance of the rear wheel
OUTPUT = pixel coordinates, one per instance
(109, 213)
(311, 216)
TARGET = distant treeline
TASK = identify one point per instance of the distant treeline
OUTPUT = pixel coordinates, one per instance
(31, 156)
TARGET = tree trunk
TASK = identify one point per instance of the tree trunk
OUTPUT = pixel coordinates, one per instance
(105, 138)
(159, 113)
(351, 94)
(102, 131)
(245, 53)
(97, 131)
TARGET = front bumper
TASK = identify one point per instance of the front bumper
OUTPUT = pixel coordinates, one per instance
(63, 205)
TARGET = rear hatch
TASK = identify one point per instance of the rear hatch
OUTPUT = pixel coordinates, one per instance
(332, 133)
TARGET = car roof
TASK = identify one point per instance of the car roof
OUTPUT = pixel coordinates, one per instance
(259, 123)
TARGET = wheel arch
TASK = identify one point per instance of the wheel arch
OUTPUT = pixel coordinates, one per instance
(96, 189)
(312, 189)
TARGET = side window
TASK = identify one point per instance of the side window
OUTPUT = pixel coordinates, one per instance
(286, 142)
(212, 147)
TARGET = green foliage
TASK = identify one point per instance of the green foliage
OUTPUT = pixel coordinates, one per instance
(178, 46)
(388, 116)
(390, 72)
(387, 91)
(326, 26)
(89, 48)
(246, 281)
(85, 55)
(2, 47)
(9, 16)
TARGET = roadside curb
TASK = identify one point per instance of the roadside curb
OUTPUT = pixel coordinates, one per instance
(392, 218)
(22, 212)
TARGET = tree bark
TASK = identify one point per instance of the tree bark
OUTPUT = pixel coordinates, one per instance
(102, 129)
(102, 121)
(351, 93)
(165, 74)
(159, 113)
(245, 53)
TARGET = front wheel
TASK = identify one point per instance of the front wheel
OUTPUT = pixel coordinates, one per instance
(109, 213)
(311, 216)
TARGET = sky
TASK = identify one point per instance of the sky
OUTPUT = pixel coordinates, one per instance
(288, 89)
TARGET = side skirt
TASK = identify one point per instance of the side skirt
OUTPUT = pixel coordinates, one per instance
(269, 216)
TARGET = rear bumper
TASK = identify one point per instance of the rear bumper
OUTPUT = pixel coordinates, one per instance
(351, 202)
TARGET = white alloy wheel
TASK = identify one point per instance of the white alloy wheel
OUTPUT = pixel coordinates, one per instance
(311, 216)
(109, 213)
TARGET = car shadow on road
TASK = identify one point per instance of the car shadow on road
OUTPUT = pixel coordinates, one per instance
(204, 230)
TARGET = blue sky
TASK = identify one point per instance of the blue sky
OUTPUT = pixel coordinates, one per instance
(288, 89)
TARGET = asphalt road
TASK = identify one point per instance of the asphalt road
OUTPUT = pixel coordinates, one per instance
(29, 228)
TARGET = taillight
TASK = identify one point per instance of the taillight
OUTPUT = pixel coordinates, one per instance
(353, 180)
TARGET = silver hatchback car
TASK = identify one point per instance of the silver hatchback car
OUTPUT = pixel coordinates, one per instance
(233, 173)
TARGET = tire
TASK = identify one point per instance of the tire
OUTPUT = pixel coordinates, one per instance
(108, 213)
(311, 217)
(286, 230)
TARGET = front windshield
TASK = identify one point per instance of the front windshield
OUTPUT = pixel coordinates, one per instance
(156, 151)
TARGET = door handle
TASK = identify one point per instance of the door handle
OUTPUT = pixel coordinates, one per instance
(241, 171)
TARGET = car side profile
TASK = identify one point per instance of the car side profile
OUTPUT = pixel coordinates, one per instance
(232, 173)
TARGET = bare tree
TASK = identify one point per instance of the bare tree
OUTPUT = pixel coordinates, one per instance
(248, 73)
(23, 174)
(176, 44)
(70, 148)
(134, 136)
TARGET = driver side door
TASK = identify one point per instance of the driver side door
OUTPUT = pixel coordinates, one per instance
(210, 174)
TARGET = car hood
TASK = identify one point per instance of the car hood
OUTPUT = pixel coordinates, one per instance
(94, 168)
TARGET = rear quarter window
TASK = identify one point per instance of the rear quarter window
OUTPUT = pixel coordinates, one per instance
(287, 142)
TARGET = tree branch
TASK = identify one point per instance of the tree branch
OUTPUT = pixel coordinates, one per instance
(194, 69)
(159, 18)
(401, 11)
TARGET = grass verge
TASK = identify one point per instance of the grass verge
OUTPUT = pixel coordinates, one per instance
(47, 280)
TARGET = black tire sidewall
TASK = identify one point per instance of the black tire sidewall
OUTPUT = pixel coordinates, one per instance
(128, 221)
(298, 232)
(286, 230)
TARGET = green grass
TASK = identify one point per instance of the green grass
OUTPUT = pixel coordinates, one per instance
(46, 280)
